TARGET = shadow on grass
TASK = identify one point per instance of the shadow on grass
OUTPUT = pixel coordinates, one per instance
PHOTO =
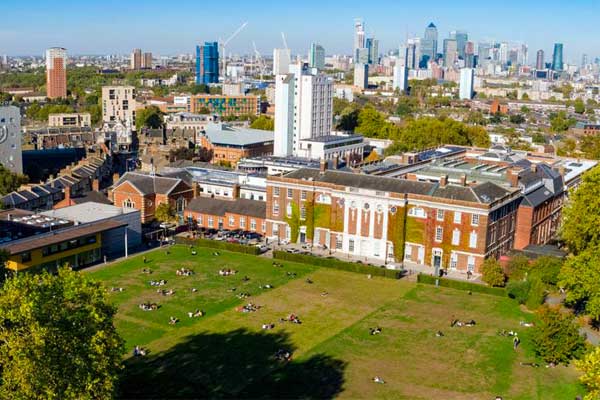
(237, 364)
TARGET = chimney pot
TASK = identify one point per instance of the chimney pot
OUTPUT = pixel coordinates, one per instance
(443, 180)
(323, 166)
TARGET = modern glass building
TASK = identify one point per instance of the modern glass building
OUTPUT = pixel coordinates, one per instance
(557, 57)
(207, 63)
(429, 45)
(373, 51)
(316, 57)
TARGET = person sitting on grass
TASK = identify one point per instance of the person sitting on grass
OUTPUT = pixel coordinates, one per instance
(173, 320)
(439, 334)
(245, 278)
(194, 252)
(267, 286)
(309, 281)
(146, 271)
(375, 331)
(268, 326)
(378, 379)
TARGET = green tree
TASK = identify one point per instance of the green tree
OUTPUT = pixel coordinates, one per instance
(580, 275)
(149, 117)
(263, 122)
(560, 122)
(580, 227)
(348, 119)
(165, 212)
(370, 122)
(10, 181)
(589, 365)
(579, 106)
(492, 273)
(590, 146)
(556, 337)
(516, 119)
(57, 338)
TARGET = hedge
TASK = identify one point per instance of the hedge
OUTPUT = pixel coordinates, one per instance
(219, 244)
(337, 264)
(461, 285)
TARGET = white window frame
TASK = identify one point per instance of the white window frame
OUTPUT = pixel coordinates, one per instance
(302, 213)
(418, 212)
(440, 215)
(231, 220)
(200, 220)
(456, 237)
(275, 208)
(453, 260)
(243, 222)
(439, 233)
(471, 264)
(475, 220)
(252, 224)
(473, 240)
(457, 217)
(303, 195)
(211, 222)
(288, 210)
(275, 191)
(290, 193)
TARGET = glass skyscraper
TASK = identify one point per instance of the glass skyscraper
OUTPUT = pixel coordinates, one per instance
(429, 45)
(557, 57)
(207, 63)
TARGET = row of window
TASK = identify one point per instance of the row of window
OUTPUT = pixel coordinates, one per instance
(69, 245)
(439, 237)
(419, 212)
(231, 221)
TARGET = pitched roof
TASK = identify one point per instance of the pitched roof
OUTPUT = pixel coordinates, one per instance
(148, 184)
(211, 206)
(220, 134)
(485, 193)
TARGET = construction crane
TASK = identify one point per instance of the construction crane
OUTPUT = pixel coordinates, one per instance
(259, 60)
(225, 43)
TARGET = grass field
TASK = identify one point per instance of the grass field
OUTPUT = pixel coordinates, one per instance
(227, 354)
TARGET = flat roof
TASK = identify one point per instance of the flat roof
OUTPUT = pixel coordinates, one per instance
(332, 138)
(63, 235)
(88, 212)
(235, 136)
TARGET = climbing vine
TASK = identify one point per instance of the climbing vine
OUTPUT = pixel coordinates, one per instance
(293, 222)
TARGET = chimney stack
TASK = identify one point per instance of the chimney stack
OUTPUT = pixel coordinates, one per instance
(195, 189)
(67, 192)
(513, 178)
(336, 161)
(463, 179)
(443, 180)
(534, 168)
(323, 166)
(96, 185)
(115, 177)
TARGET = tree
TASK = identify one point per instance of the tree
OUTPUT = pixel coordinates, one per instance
(492, 273)
(579, 106)
(590, 146)
(57, 338)
(556, 338)
(348, 119)
(263, 122)
(560, 122)
(580, 227)
(580, 275)
(516, 119)
(181, 153)
(10, 181)
(589, 365)
(149, 117)
(370, 122)
(165, 212)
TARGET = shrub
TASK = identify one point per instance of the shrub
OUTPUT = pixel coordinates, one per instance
(518, 290)
(461, 285)
(548, 269)
(556, 338)
(492, 273)
(537, 294)
(337, 264)
(518, 266)
(221, 245)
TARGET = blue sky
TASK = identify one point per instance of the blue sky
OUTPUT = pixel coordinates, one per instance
(172, 27)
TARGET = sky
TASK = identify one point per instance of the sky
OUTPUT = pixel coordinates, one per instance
(174, 27)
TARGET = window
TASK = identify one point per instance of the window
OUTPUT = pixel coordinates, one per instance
(211, 222)
(200, 220)
(471, 264)
(276, 191)
(475, 219)
(302, 212)
(473, 240)
(303, 195)
(457, 217)
(290, 193)
(456, 237)
(376, 249)
(26, 257)
(453, 260)
(417, 212)
(128, 204)
(338, 242)
(231, 221)
(440, 215)
(252, 224)
(439, 233)
(407, 252)
(243, 222)
(275, 229)
(288, 210)
(275, 208)
(263, 226)
(351, 245)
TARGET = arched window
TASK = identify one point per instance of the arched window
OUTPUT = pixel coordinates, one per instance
(128, 204)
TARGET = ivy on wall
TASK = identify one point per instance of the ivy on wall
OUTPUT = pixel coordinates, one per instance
(293, 222)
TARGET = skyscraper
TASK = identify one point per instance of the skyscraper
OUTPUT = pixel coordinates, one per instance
(402, 55)
(470, 55)
(467, 79)
(303, 108)
(539, 60)
(483, 51)
(429, 45)
(281, 61)
(503, 53)
(461, 38)
(136, 59)
(584, 60)
(207, 63)
(56, 72)
(400, 81)
(557, 57)
(450, 52)
(414, 53)
(147, 61)
(373, 51)
(316, 56)
(361, 75)
(359, 37)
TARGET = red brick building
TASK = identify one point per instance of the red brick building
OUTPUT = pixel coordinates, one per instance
(245, 214)
(145, 192)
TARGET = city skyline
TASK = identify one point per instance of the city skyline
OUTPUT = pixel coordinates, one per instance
(109, 27)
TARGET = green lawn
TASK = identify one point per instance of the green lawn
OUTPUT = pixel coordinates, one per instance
(227, 354)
